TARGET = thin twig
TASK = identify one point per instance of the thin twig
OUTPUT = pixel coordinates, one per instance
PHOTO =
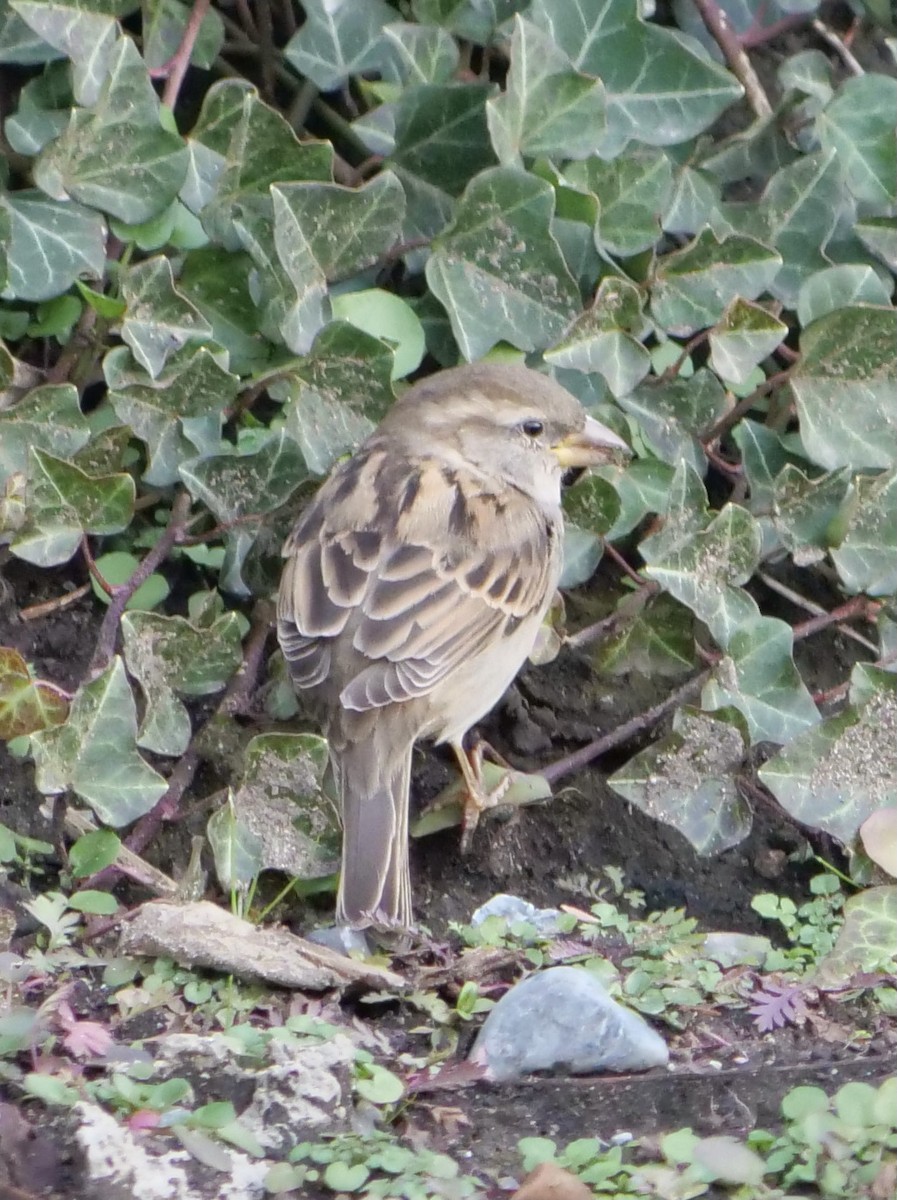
(744, 405)
(828, 35)
(78, 340)
(35, 611)
(626, 732)
(859, 606)
(718, 26)
(758, 35)
(809, 606)
(173, 531)
(176, 68)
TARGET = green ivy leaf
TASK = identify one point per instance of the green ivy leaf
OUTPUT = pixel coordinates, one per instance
(604, 339)
(640, 65)
(280, 802)
(167, 655)
(497, 269)
(339, 40)
(744, 335)
(547, 107)
(759, 678)
(49, 244)
(688, 780)
(692, 287)
(87, 163)
(47, 418)
(158, 321)
(839, 287)
(94, 752)
(64, 503)
(857, 127)
(844, 388)
(866, 558)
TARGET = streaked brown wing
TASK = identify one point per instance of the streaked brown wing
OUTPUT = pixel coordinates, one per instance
(415, 596)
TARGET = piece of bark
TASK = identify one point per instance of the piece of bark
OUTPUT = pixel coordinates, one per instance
(203, 935)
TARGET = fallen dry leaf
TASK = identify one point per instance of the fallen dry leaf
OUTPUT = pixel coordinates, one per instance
(550, 1182)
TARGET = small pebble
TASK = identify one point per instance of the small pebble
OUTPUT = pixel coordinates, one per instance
(564, 1020)
(513, 908)
(342, 939)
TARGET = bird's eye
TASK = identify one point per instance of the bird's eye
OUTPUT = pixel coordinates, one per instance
(532, 428)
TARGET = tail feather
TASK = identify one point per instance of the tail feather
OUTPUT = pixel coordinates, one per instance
(375, 883)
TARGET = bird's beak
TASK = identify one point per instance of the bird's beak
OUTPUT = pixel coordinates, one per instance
(591, 446)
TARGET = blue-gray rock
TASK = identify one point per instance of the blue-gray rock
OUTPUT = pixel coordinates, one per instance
(564, 1020)
(513, 908)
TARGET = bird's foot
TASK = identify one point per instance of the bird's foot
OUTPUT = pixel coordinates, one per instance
(478, 797)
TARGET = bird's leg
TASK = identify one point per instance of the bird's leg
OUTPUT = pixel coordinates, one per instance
(478, 798)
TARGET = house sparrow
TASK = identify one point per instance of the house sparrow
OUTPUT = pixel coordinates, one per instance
(414, 586)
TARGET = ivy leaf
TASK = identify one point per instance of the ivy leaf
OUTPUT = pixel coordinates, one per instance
(692, 287)
(658, 640)
(745, 335)
(239, 147)
(497, 269)
(339, 38)
(88, 34)
(236, 486)
(804, 510)
(158, 321)
(336, 395)
(866, 558)
(418, 53)
(87, 164)
(49, 244)
(48, 418)
(175, 415)
(64, 503)
(759, 678)
(866, 940)
(844, 388)
(705, 571)
(688, 780)
(547, 107)
(839, 287)
(26, 704)
(857, 127)
(797, 216)
(632, 191)
(94, 752)
(672, 413)
(167, 655)
(324, 232)
(640, 65)
(281, 804)
(602, 341)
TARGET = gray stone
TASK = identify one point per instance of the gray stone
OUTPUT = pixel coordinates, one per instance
(564, 1020)
(513, 908)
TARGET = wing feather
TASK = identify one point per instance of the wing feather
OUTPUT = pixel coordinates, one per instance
(391, 599)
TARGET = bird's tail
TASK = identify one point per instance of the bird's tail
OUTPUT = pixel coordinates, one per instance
(375, 883)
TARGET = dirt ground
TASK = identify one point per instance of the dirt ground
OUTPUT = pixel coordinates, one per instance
(726, 1077)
